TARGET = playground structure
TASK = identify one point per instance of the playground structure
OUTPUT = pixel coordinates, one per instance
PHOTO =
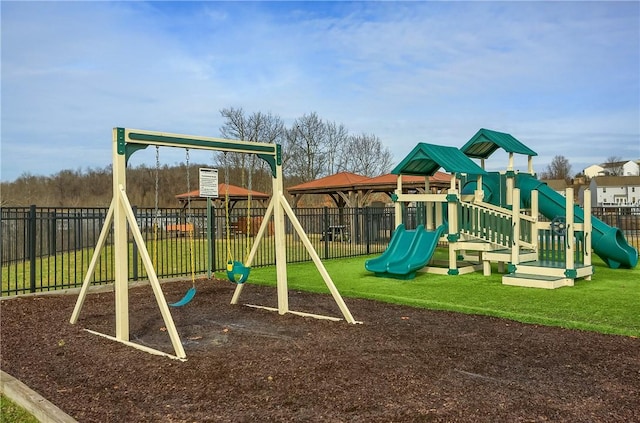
(125, 142)
(496, 215)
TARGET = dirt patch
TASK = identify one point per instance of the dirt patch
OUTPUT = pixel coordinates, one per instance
(245, 364)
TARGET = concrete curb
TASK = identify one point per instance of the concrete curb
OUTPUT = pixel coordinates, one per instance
(33, 402)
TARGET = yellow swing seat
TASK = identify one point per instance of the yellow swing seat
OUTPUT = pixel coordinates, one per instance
(237, 272)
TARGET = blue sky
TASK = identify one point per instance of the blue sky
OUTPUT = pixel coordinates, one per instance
(563, 77)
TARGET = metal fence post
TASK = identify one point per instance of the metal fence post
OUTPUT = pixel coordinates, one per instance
(31, 247)
(357, 236)
(211, 240)
(53, 234)
(325, 230)
(1, 245)
(367, 228)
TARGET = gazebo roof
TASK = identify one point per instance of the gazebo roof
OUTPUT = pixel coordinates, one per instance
(352, 189)
(485, 142)
(236, 193)
(390, 180)
(331, 182)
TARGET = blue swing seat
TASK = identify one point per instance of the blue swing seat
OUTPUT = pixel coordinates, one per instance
(186, 299)
(237, 272)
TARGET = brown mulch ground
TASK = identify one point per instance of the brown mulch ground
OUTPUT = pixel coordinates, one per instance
(245, 364)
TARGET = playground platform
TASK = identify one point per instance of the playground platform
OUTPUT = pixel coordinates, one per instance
(509, 217)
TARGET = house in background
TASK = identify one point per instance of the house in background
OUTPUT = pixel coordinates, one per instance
(630, 168)
(623, 168)
(615, 190)
(593, 171)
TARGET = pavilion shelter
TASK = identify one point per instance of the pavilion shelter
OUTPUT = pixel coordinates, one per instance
(238, 224)
(236, 194)
(352, 190)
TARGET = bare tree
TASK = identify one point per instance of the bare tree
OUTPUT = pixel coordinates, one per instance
(306, 145)
(257, 127)
(367, 156)
(337, 138)
(613, 165)
(559, 168)
(311, 147)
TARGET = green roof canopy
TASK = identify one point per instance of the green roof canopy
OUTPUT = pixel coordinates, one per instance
(485, 142)
(426, 159)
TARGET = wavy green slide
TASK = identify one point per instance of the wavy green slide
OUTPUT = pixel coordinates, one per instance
(408, 252)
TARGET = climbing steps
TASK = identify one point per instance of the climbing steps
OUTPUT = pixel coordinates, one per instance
(545, 274)
(536, 281)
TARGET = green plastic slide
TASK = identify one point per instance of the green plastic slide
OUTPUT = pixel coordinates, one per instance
(408, 252)
(608, 242)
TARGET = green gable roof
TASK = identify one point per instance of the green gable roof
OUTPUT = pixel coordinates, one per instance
(426, 159)
(485, 142)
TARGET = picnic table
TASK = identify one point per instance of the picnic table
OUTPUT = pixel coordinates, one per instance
(336, 233)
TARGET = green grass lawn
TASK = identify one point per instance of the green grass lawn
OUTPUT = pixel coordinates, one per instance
(607, 304)
(12, 413)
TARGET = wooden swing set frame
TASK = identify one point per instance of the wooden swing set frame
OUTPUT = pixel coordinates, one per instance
(125, 143)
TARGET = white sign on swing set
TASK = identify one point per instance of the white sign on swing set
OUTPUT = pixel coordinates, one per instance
(208, 182)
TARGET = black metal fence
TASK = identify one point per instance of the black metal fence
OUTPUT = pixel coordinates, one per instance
(45, 248)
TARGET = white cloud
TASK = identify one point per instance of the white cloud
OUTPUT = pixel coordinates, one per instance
(552, 74)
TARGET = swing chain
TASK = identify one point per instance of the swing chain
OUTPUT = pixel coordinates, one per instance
(156, 209)
(226, 205)
(190, 227)
(249, 185)
(157, 180)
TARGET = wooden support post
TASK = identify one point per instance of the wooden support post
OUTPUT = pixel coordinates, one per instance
(452, 211)
(106, 227)
(587, 230)
(479, 192)
(515, 227)
(570, 232)
(317, 261)
(120, 244)
(153, 279)
(256, 243)
(534, 213)
(281, 244)
(509, 182)
(398, 204)
(438, 212)
(486, 264)
(429, 224)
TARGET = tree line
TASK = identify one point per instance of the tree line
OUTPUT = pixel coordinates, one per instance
(311, 148)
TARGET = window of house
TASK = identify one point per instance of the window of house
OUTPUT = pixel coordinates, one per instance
(604, 190)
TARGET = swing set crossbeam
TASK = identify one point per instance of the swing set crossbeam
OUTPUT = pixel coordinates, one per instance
(131, 140)
(125, 143)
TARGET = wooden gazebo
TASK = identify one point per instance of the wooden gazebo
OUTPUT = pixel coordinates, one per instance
(236, 194)
(353, 190)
